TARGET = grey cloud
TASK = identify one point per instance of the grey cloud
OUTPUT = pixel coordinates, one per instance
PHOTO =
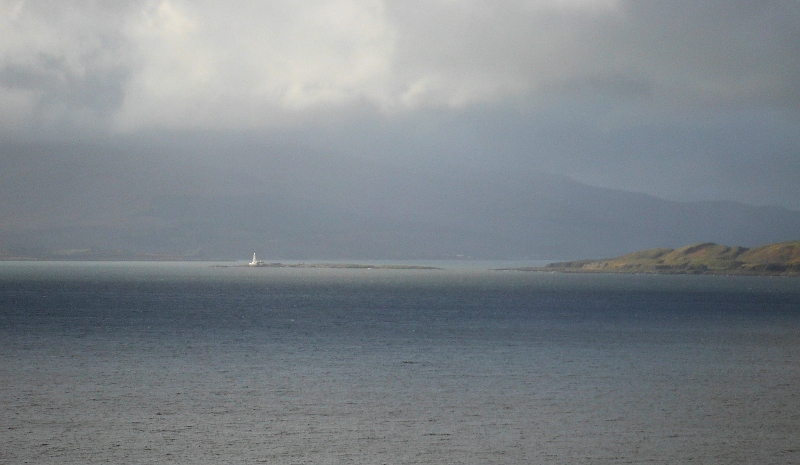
(54, 82)
(409, 56)
(732, 50)
(615, 87)
(65, 66)
(712, 51)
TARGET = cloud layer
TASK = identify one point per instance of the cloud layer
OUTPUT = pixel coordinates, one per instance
(683, 100)
(201, 64)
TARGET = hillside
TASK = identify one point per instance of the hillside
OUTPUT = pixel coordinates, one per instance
(706, 258)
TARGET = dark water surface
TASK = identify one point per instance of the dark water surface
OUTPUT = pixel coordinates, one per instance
(188, 363)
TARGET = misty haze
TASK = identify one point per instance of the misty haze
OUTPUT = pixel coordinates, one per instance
(558, 129)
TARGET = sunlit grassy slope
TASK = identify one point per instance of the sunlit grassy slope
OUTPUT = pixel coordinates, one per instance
(706, 258)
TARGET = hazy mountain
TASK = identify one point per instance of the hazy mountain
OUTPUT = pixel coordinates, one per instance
(310, 209)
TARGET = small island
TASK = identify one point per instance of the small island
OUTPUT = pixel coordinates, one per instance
(256, 263)
(781, 259)
(348, 266)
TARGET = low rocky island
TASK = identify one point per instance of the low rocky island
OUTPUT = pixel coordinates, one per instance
(781, 259)
(348, 266)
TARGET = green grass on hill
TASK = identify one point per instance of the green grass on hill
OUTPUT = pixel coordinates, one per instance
(705, 258)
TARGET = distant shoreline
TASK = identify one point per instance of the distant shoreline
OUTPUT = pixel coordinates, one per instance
(233, 263)
(356, 266)
(90, 256)
(781, 259)
(556, 269)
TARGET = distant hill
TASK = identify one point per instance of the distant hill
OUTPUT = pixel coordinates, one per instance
(63, 204)
(706, 258)
(91, 255)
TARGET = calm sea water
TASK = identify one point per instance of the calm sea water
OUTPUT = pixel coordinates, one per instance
(189, 363)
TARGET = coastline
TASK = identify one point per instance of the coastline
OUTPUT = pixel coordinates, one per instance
(633, 270)
(781, 259)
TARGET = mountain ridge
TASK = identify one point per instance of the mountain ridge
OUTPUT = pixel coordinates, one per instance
(129, 207)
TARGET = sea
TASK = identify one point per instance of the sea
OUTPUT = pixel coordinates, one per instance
(218, 363)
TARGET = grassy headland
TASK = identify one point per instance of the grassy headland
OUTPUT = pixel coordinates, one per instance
(706, 258)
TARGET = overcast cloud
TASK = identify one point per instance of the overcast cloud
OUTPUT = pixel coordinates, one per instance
(683, 100)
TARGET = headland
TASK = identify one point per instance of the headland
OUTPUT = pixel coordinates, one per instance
(780, 259)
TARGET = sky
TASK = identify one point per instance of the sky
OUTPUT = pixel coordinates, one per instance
(681, 100)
